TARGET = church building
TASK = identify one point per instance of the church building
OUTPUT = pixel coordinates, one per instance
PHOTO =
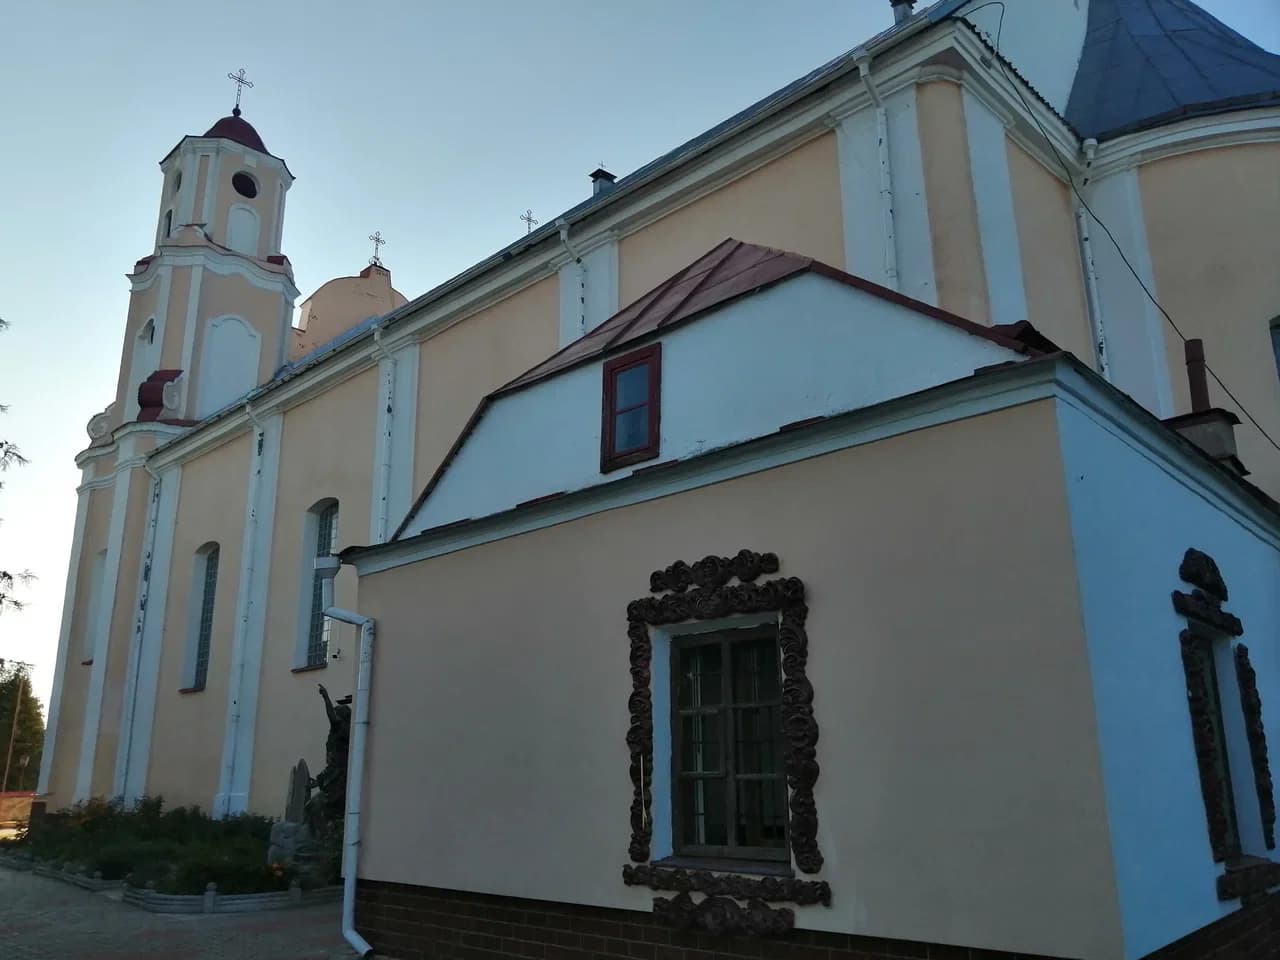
(853, 533)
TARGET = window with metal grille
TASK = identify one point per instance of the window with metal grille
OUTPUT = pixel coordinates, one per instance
(326, 521)
(204, 628)
(730, 788)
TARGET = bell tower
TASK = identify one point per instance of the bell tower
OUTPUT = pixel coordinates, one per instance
(210, 306)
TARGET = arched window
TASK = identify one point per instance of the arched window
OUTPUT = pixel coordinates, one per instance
(242, 230)
(204, 590)
(320, 538)
(168, 223)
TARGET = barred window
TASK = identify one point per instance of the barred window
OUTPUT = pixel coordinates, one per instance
(325, 518)
(204, 591)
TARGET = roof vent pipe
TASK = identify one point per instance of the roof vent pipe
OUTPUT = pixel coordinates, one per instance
(1210, 428)
(901, 9)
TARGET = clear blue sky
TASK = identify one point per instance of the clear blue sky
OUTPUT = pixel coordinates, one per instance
(436, 123)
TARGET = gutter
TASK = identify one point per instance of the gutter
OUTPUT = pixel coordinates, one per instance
(327, 567)
(1093, 297)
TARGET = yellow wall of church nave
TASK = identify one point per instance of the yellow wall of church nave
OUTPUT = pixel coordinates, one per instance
(953, 210)
(1211, 219)
(459, 366)
(187, 731)
(1053, 276)
(503, 713)
(75, 679)
(326, 452)
(792, 203)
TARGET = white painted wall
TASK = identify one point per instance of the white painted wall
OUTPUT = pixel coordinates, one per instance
(810, 346)
(228, 364)
(913, 238)
(1043, 38)
(588, 291)
(1135, 332)
(1132, 520)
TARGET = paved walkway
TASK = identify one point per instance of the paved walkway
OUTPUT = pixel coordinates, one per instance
(43, 919)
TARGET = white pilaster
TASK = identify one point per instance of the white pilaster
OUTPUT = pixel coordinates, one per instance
(251, 611)
(1135, 329)
(588, 290)
(101, 626)
(997, 223)
(64, 635)
(392, 488)
(868, 223)
(912, 233)
(189, 336)
(138, 706)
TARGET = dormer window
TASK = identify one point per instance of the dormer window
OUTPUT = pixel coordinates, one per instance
(632, 408)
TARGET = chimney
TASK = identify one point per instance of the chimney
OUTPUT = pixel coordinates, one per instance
(901, 9)
(1212, 429)
(601, 181)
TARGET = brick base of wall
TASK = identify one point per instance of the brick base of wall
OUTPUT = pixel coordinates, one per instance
(1251, 933)
(424, 923)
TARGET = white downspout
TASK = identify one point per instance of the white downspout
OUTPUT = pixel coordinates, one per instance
(327, 567)
(1092, 297)
(886, 171)
(237, 669)
(388, 405)
(139, 629)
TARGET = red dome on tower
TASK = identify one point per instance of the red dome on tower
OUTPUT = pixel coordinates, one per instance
(239, 130)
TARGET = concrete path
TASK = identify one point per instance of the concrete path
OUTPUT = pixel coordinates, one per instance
(43, 919)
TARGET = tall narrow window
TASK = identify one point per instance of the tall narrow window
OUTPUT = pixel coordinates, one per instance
(630, 432)
(206, 580)
(1275, 341)
(730, 788)
(325, 519)
(97, 597)
(168, 223)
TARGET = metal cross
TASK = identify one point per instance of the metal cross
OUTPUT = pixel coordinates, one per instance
(376, 237)
(241, 83)
(529, 220)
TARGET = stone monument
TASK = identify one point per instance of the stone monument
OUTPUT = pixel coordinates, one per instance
(290, 834)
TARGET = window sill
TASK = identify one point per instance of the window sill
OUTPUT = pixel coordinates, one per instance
(199, 689)
(766, 868)
(309, 667)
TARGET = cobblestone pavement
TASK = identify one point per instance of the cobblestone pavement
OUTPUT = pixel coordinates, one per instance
(43, 919)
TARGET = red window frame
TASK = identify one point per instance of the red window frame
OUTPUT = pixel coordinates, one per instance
(650, 357)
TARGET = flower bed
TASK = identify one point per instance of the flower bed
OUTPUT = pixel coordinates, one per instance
(178, 852)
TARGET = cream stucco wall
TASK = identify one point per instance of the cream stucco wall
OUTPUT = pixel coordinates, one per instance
(960, 799)
(179, 294)
(263, 309)
(1211, 221)
(468, 360)
(792, 203)
(75, 681)
(186, 738)
(953, 209)
(268, 177)
(313, 467)
(1053, 277)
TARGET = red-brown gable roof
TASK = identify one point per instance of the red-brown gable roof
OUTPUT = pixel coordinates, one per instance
(729, 271)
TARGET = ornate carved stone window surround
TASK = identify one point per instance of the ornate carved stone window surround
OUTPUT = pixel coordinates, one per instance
(686, 594)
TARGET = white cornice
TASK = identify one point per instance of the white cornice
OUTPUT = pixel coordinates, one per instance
(1199, 133)
(223, 263)
(221, 146)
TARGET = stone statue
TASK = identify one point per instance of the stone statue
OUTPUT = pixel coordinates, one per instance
(289, 836)
(325, 810)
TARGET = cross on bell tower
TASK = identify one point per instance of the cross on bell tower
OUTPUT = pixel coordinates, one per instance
(241, 83)
(376, 237)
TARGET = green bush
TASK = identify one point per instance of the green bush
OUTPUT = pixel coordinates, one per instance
(180, 850)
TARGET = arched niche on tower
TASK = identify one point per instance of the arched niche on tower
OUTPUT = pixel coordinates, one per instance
(228, 363)
(243, 228)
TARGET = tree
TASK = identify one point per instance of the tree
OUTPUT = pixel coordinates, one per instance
(10, 456)
(27, 735)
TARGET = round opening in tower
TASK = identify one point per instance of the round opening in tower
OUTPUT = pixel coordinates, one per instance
(245, 185)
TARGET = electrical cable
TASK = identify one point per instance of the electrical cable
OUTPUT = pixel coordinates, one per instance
(1066, 169)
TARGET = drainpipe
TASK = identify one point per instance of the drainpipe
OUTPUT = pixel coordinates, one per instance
(237, 669)
(1092, 297)
(140, 626)
(327, 567)
(388, 404)
(582, 274)
(863, 59)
